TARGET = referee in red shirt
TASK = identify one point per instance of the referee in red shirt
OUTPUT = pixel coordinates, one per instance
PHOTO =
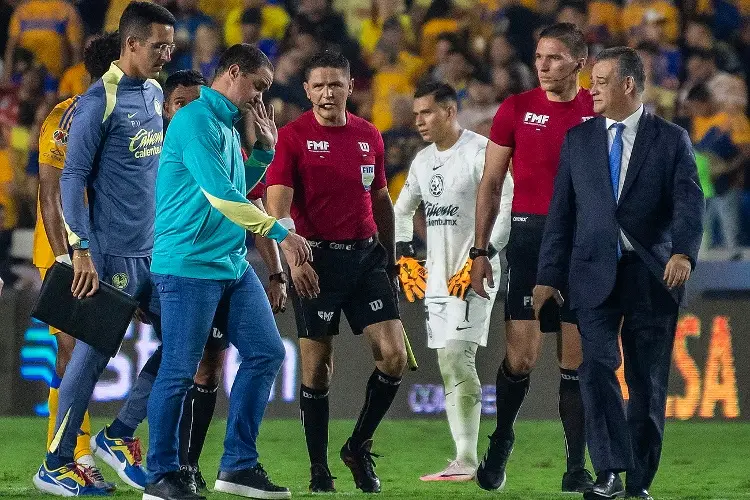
(327, 182)
(528, 130)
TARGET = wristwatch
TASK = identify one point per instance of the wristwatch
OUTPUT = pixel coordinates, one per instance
(81, 245)
(278, 277)
(475, 252)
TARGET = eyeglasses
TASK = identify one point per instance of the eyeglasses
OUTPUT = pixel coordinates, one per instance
(162, 48)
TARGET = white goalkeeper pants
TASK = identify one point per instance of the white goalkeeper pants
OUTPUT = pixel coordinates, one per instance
(463, 397)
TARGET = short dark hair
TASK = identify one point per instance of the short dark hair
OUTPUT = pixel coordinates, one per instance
(441, 92)
(464, 52)
(138, 17)
(703, 20)
(184, 77)
(651, 48)
(248, 57)
(100, 52)
(570, 36)
(701, 53)
(252, 16)
(327, 59)
(576, 5)
(482, 76)
(700, 93)
(449, 37)
(629, 63)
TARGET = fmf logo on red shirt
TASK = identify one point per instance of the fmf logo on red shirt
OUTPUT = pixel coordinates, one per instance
(317, 145)
(365, 147)
(535, 119)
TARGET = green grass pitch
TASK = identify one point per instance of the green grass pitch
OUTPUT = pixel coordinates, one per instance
(708, 460)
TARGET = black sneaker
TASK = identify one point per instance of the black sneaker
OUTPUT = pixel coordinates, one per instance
(250, 483)
(173, 486)
(362, 465)
(577, 481)
(491, 472)
(321, 480)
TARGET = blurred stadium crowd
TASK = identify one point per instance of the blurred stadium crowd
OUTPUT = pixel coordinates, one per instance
(697, 56)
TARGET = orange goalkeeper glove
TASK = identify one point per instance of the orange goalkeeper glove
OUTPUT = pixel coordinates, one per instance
(460, 282)
(413, 277)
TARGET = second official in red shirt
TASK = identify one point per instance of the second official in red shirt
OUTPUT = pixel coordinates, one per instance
(528, 132)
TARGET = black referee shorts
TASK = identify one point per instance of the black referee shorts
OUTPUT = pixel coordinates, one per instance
(217, 341)
(525, 241)
(353, 279)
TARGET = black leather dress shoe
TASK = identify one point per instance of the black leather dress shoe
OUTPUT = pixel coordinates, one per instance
(642, 494)
(608, 485)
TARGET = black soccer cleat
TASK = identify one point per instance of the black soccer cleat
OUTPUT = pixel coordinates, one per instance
(321, 480)
(189, 478)
(491, 471)
(172, 486)
(362, 465)
(251, 483)
(194, 478)
(577, 481)
(200, 483)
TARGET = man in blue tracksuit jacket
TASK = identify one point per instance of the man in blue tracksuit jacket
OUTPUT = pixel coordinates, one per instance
(113, 152)
(200, 271)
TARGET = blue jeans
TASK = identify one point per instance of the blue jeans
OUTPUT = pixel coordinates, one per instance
(188, 307)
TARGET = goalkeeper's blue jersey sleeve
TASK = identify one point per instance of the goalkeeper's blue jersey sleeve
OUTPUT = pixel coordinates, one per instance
(114, 145)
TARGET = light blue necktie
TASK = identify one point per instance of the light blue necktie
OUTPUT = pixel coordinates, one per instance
(615, 159)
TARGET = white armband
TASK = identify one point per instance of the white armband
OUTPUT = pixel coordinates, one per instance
(287, 223)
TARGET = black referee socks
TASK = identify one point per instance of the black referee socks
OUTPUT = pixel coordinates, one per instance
(381, 389)
(571, 415)
(510, 392)
(314, 412)
(197, 413)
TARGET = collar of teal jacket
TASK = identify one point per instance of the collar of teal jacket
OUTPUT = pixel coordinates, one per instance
(222, 107)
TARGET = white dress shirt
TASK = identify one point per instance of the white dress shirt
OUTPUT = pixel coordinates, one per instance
(628, 139)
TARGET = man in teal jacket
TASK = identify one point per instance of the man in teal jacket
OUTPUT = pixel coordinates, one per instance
(200, 270)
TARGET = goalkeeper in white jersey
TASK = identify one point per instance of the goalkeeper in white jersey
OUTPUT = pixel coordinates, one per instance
(445, 176)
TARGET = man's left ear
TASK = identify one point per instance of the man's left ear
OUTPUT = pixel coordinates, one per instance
(351, 86)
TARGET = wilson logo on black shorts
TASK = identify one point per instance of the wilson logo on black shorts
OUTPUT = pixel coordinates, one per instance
(376, 305)
(120, 281)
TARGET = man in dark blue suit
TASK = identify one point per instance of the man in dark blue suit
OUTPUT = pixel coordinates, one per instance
(623, 230)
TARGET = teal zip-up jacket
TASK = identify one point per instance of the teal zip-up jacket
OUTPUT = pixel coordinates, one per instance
(201, 207)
